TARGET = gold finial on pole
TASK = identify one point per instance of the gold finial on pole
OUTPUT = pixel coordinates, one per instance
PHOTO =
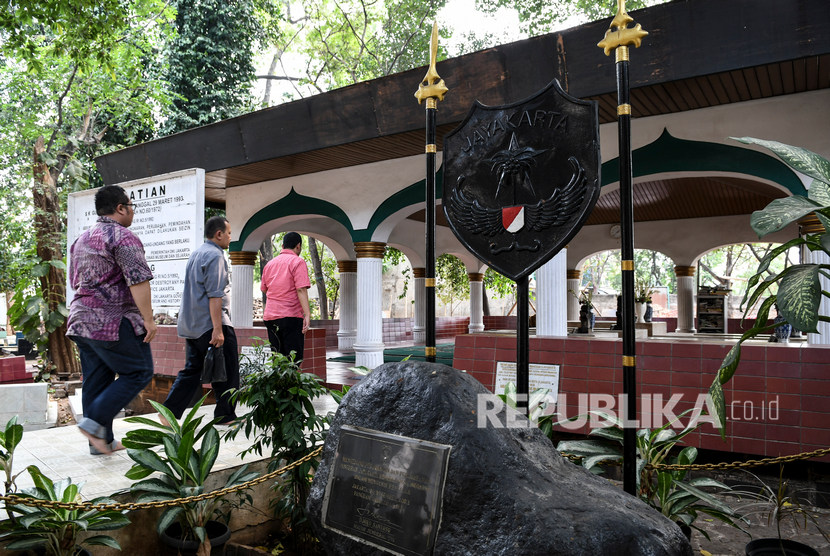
(432, 85)
(619, 34)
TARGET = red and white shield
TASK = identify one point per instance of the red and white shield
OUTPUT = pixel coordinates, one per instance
(513, 218)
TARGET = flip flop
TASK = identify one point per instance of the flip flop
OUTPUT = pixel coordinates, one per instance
(114, 446)
(98, 444)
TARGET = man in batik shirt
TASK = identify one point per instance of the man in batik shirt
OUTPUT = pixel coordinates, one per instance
(111, 316)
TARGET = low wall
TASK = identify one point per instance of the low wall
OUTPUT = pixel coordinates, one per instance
(13, 370)
(778, 402)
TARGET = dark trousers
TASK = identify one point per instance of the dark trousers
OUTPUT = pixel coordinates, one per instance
(286, 335)
(190, 378)
(102, 395)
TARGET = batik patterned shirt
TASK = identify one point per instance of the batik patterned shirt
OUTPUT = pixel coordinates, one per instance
(104, 262)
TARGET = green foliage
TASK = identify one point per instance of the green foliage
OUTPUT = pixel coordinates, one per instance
(283, 424)
(210, 68)
(776, 504)
(29, 312)
(498, 285)
(670, 492)
(543, 16)
(602, 270)
(10, 437)
(57, 529)
(182, 469)
(452, 283)
(799, 288)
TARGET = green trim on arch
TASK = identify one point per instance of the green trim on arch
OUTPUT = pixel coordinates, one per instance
(412, 195)
(670, 154)
(291, 204)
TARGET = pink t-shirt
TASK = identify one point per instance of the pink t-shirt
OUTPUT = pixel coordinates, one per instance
(281, 278)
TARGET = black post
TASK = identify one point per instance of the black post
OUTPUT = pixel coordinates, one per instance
(522, 344)
(429, 280)
(431, 89)
(618, 38)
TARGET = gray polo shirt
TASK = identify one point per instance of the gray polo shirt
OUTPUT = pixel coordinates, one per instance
(206, 276)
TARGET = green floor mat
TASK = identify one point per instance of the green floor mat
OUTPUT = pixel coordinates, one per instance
(443, 354)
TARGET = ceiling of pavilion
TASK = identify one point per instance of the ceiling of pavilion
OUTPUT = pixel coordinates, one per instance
(698, 54)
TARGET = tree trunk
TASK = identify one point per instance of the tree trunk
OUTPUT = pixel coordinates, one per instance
(266, 253)
(319, 278)
(60, 354)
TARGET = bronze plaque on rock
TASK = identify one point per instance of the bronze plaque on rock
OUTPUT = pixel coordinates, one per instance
(385, 490)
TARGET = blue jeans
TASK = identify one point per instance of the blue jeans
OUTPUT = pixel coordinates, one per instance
(102, 395)
(190, 378)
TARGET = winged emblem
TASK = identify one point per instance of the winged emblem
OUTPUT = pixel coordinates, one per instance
(556, 210)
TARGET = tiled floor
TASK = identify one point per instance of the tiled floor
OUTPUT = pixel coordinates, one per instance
(63, 452)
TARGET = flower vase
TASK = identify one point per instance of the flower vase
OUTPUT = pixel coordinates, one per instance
(649, 312)
(782, 332)
(640, 311)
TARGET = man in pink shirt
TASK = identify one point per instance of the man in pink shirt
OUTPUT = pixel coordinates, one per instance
(285, 283)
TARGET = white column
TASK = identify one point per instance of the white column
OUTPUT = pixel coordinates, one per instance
(476, 302)
(685, 298)
(574, 281)
(551, 297)
(368, 344)
(348, 305)
(419, 334)
(823, 337)
(242, 288)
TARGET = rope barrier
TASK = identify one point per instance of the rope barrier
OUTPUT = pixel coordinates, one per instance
(13, 499)
(722, 465)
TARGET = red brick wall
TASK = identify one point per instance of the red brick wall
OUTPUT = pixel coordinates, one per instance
(778, 402)
(13, 370)
(168, 349)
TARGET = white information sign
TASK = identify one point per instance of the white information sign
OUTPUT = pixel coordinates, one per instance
(539, 376)
(169, 220)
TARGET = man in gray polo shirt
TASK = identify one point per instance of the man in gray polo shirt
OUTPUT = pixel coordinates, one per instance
(204, 320)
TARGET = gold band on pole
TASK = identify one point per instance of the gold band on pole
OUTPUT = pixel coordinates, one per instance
(624, 110)
(432, 103)
(627, 264)
(431, 148)
(429, 282)
(621, 54)
(429, 351)
(629, 361)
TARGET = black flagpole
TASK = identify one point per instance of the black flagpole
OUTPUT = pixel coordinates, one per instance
(522, 344)
(431, 89)
(618, 38)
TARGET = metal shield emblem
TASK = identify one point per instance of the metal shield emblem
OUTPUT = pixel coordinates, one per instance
(521, 179)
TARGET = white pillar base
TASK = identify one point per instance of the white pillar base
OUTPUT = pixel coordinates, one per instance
(419, 329)
(347, 333)
(476, 303)
(242, 288)
(685, 300)
(368, 345)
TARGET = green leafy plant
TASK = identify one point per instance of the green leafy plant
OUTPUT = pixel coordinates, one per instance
(57, 529)
(10, 437)
(799, 292)
(776, 504)
(182, 469)
(642, 292)
(282, 420)
(671, 492)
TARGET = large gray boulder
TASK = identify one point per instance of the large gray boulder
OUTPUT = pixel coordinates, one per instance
(507, 490)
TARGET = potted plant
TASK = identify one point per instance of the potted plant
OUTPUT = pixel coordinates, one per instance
(671, 492)
(282, 420)
(776, 505)
(10, 437)
(587, 318)
(799, 290)
(182, 468)
(642, 299)
(56, 530)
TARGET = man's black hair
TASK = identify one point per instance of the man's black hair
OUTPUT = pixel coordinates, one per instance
(213, 225)
(108, 198)
(291, 240)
